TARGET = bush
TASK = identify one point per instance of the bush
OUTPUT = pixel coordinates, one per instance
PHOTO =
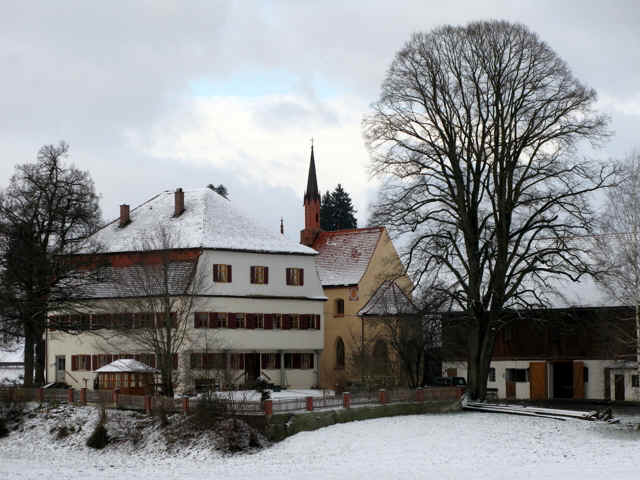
(4, 431)
(99, 438)
(208, 411)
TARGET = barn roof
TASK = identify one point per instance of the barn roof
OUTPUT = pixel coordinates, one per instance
(344, 255)
(208, 221)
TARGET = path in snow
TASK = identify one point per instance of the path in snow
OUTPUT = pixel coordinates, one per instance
(449, 446)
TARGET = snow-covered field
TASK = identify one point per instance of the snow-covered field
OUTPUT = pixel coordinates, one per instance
(465, 445)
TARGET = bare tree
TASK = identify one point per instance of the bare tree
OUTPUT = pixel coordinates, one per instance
(618, 247)
(476, 131)
(47, 213)
(158, 294)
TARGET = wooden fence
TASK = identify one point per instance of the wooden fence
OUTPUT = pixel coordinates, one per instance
(114, 399)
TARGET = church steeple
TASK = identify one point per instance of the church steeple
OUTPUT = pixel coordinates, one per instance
(311, 206)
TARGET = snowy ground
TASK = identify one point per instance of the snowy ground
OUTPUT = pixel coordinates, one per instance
(465, 445)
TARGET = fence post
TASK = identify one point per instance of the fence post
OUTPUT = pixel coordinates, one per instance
(116, 395)
(70, 395)
(346, 400)
(185, 405)
(267, 405)
(147, 404)
(310, 403)
(83, 396)
(383, 396)
(419, 394)
(41, 395)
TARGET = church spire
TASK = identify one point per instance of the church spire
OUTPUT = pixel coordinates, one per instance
(311, 206)
(312, 181)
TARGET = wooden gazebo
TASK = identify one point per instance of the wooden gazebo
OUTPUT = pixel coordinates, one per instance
(130, 376)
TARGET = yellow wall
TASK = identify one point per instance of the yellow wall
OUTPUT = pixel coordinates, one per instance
(384, 264)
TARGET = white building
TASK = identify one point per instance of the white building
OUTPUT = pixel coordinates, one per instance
(259, 310)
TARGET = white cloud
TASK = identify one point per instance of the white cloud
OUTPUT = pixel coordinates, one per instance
(266, 140)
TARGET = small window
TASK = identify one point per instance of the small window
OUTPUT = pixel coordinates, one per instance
(339, 353)
(339, 307)
(635, 381)
(295, 276)
(221, 273)
(260, 275)
(492, 375)
(518, 374)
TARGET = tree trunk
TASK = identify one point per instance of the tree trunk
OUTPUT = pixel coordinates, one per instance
(28, 357)
(480, 353)
(638, 339)
(41, 360)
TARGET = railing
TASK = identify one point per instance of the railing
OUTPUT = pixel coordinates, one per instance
(113, 398)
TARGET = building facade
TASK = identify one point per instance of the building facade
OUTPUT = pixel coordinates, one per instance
(258, 308)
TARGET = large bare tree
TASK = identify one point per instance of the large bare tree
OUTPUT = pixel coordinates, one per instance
(476, 131)
(47, 212)
(618, 247)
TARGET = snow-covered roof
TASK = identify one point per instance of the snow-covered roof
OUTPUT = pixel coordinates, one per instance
(343, 255)
(388, 299)
(208, 221)
(127, 365)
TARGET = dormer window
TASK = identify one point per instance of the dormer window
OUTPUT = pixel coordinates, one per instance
(221, 273)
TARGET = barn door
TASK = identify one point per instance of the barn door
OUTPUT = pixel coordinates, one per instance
(619, 380)
(538, 380)
(578, 379)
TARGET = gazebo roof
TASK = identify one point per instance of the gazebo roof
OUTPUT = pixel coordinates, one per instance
(127, 365)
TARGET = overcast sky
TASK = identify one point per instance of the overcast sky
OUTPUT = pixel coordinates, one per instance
(157, 95)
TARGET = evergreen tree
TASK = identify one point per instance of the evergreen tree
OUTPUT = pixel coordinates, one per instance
(336, 211)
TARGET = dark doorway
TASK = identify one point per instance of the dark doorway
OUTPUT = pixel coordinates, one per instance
(563, 380)
(252, 367)
(619, 380)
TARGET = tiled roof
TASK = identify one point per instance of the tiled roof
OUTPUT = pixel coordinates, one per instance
(343, 255)
(389, 299)
(208, 221)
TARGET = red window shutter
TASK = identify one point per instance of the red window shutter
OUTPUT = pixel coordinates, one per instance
(74, 362)
(94, 362)
(268, 321)
(317, 318)
(233, 321)
(278, 362)
(266, 275)
(229, 273)
(253, 274)
(288, 275)
(213, 320)
(302, 276)
(196, 320)
(215, 273)
(297, 360)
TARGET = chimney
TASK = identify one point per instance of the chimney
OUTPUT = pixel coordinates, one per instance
(124, 215)
(281, 226)
(179, 202)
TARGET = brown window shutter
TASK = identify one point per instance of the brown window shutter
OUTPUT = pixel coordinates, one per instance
(94, 362)
(266, 274)
(302, 276)
(253, 274)
(229, 273)
(74, 362)
(213, 320)
(288, 275)
(215, 273)
(268, 321)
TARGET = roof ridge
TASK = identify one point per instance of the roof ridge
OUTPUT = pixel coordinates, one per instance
(353, 230)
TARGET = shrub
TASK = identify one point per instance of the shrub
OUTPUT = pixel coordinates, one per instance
(99, 438)
(4, 431)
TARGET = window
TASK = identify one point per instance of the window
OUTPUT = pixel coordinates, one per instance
(339, 353)
(103, 274)
(635, 381)
(260, 275)
(492, 375)
(80, 362)
(200, 320)
(298, 361)
(271, 361)
(295, 276)
(518, 374)
(339, 307)
(218, 320)
(221, 273)
(237, 361)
